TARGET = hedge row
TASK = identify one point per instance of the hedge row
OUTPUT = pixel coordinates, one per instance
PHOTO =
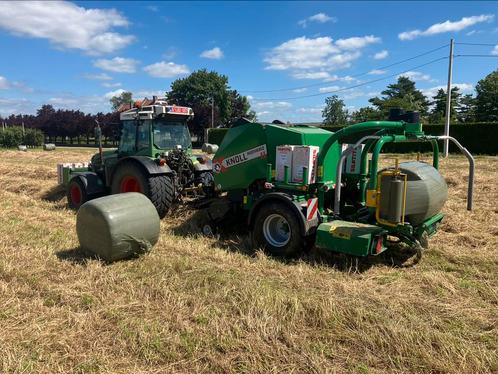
(478, 138)
(13, 136)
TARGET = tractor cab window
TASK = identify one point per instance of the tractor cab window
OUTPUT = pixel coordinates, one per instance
(167, 135)
(134, 136)
(128, 136)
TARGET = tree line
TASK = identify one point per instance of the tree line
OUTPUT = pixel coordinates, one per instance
(209, 94)
(469, 108)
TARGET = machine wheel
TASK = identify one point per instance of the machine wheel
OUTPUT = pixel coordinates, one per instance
(276, 230)
(159, 189)
(76, 193)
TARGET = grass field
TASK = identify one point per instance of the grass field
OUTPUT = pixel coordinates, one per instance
(197, 304)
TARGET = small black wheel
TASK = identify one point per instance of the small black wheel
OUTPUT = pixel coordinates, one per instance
(76, 193)
(277, 231)
(130, 177)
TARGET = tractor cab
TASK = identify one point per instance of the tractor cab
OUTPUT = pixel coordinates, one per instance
(154, 129)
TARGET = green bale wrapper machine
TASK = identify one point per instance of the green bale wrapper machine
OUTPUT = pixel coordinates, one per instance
(302, 185)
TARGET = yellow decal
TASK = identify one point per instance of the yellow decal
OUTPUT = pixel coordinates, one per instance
(341, 232)
(371, 198)
(245, 200)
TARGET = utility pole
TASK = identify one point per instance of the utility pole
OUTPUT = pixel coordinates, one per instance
(448, 101)
(212, 112)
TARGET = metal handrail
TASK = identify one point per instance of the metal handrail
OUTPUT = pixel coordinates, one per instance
(465, 151)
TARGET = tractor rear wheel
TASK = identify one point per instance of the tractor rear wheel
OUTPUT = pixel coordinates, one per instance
(160, 189)
(276, 230)
(76, 193)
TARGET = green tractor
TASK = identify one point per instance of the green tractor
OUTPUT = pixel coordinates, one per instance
(154, 157)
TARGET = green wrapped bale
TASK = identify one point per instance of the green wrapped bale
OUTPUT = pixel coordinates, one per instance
(118, 226)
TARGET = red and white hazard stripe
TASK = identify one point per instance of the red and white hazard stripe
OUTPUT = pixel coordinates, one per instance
(312, 209)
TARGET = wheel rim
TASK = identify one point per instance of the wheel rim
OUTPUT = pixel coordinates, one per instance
(130, 184)
(75, 192)
(276, 230)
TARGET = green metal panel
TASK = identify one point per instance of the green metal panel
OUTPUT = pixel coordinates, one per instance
(241, 158)
(348, 237)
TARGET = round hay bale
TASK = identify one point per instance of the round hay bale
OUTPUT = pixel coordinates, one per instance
(22, 148)
(49, 147)
(118, 226)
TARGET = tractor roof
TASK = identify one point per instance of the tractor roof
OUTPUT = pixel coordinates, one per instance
(155, 110)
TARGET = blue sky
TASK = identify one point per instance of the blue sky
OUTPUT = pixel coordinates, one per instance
(77, 54)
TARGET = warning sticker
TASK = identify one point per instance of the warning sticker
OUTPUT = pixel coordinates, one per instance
(221, 164)
(341, 232)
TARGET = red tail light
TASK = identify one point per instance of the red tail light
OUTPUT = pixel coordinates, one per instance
(379, 245)
(162, 162)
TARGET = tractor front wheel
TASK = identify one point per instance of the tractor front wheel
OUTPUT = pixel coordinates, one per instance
(76, 193)
(276, 230)
(160, 189)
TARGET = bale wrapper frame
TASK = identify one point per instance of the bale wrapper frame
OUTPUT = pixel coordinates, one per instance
(354, 211)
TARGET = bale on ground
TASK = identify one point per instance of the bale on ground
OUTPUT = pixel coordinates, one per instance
(49, 147)
(118, 226)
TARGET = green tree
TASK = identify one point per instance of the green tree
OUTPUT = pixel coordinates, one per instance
(438, 111)
(366, 114)
(122, 98)
(240, 107)
(467, 109)
(334, 112)
(404, 95)
(487, 98)
(201, 90)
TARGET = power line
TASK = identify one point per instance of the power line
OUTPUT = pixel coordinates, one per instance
(481, 44)
(476, 56)
(353, 76)
(354, 86)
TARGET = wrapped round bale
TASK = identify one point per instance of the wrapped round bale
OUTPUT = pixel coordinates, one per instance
(22, 148)
(49, 147)
(118, 226)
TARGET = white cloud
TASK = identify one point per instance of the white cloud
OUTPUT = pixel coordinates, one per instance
(377, 72)
(329, 89)
(215, 54)
(463, 87)
(4, 83)
(271, 105)
(381, 55)
(165, 69)
(111, 94)
(170, 53)
(357, 42)
(16, 106)
(111, 85)
(495, 50)
(310, 75)
(149, 93)
(153, 8)
(66, 25)
(313, 110)
(62, 102)
(117, 64)
(416, 76)
(315, 58)
(99, 77)
(447, 26)
(318, 18)
(300, 90)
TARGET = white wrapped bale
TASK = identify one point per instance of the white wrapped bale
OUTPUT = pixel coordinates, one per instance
(118, 226)
(22, 148)
(49, 147)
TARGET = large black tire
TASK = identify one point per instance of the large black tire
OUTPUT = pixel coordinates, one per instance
(130, 177)
(76, 193)
(276, 230)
